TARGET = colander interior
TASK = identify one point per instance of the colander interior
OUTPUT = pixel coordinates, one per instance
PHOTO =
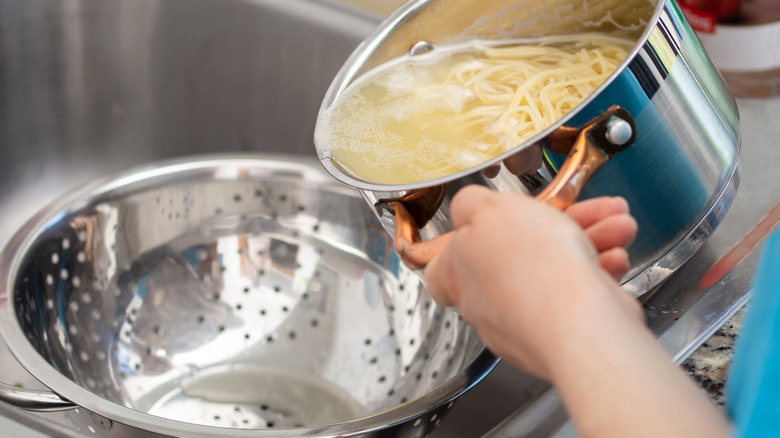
(234, 295)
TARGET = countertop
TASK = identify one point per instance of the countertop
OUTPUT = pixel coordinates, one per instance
(759, 193)
(708, 365)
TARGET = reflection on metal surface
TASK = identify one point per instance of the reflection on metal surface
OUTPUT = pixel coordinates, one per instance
(678, 175)
(129, 294)
(100, 88)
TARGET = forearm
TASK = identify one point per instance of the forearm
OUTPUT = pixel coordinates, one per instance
(617, 381)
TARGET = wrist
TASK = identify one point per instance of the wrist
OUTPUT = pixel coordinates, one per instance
(596, 333)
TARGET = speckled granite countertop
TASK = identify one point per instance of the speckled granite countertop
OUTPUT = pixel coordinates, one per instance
(708, 365)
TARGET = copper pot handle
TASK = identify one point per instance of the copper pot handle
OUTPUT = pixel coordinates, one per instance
(589, 148)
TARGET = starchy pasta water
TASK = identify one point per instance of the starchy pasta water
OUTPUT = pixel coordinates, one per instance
(422, 117)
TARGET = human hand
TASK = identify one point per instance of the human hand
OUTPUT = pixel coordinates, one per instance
(540, 288)
(610, 228)
(523, 274)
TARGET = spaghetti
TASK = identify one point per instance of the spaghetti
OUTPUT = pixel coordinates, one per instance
(416, 119)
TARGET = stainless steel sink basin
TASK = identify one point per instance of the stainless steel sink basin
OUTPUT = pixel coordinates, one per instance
(90, 88)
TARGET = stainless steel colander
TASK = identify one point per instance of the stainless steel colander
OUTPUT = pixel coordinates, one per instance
(225, 295)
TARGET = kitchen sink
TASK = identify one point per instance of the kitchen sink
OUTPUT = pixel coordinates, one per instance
(91, 88)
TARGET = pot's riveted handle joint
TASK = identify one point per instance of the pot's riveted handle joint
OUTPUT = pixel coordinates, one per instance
(412, 212)
(588, 148)
(34, 400)
(415, 253)
(598, 141)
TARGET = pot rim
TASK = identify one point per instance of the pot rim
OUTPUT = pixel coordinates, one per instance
(351, 70)
(35, 364)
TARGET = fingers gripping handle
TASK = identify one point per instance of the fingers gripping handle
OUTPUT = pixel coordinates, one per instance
(596, 142)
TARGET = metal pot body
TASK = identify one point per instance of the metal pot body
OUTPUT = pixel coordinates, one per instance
(680, 174)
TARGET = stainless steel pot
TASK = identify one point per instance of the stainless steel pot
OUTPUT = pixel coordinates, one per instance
(242, 295)
(680, 175)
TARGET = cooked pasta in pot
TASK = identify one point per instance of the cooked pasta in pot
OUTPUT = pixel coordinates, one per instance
(423, 117)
